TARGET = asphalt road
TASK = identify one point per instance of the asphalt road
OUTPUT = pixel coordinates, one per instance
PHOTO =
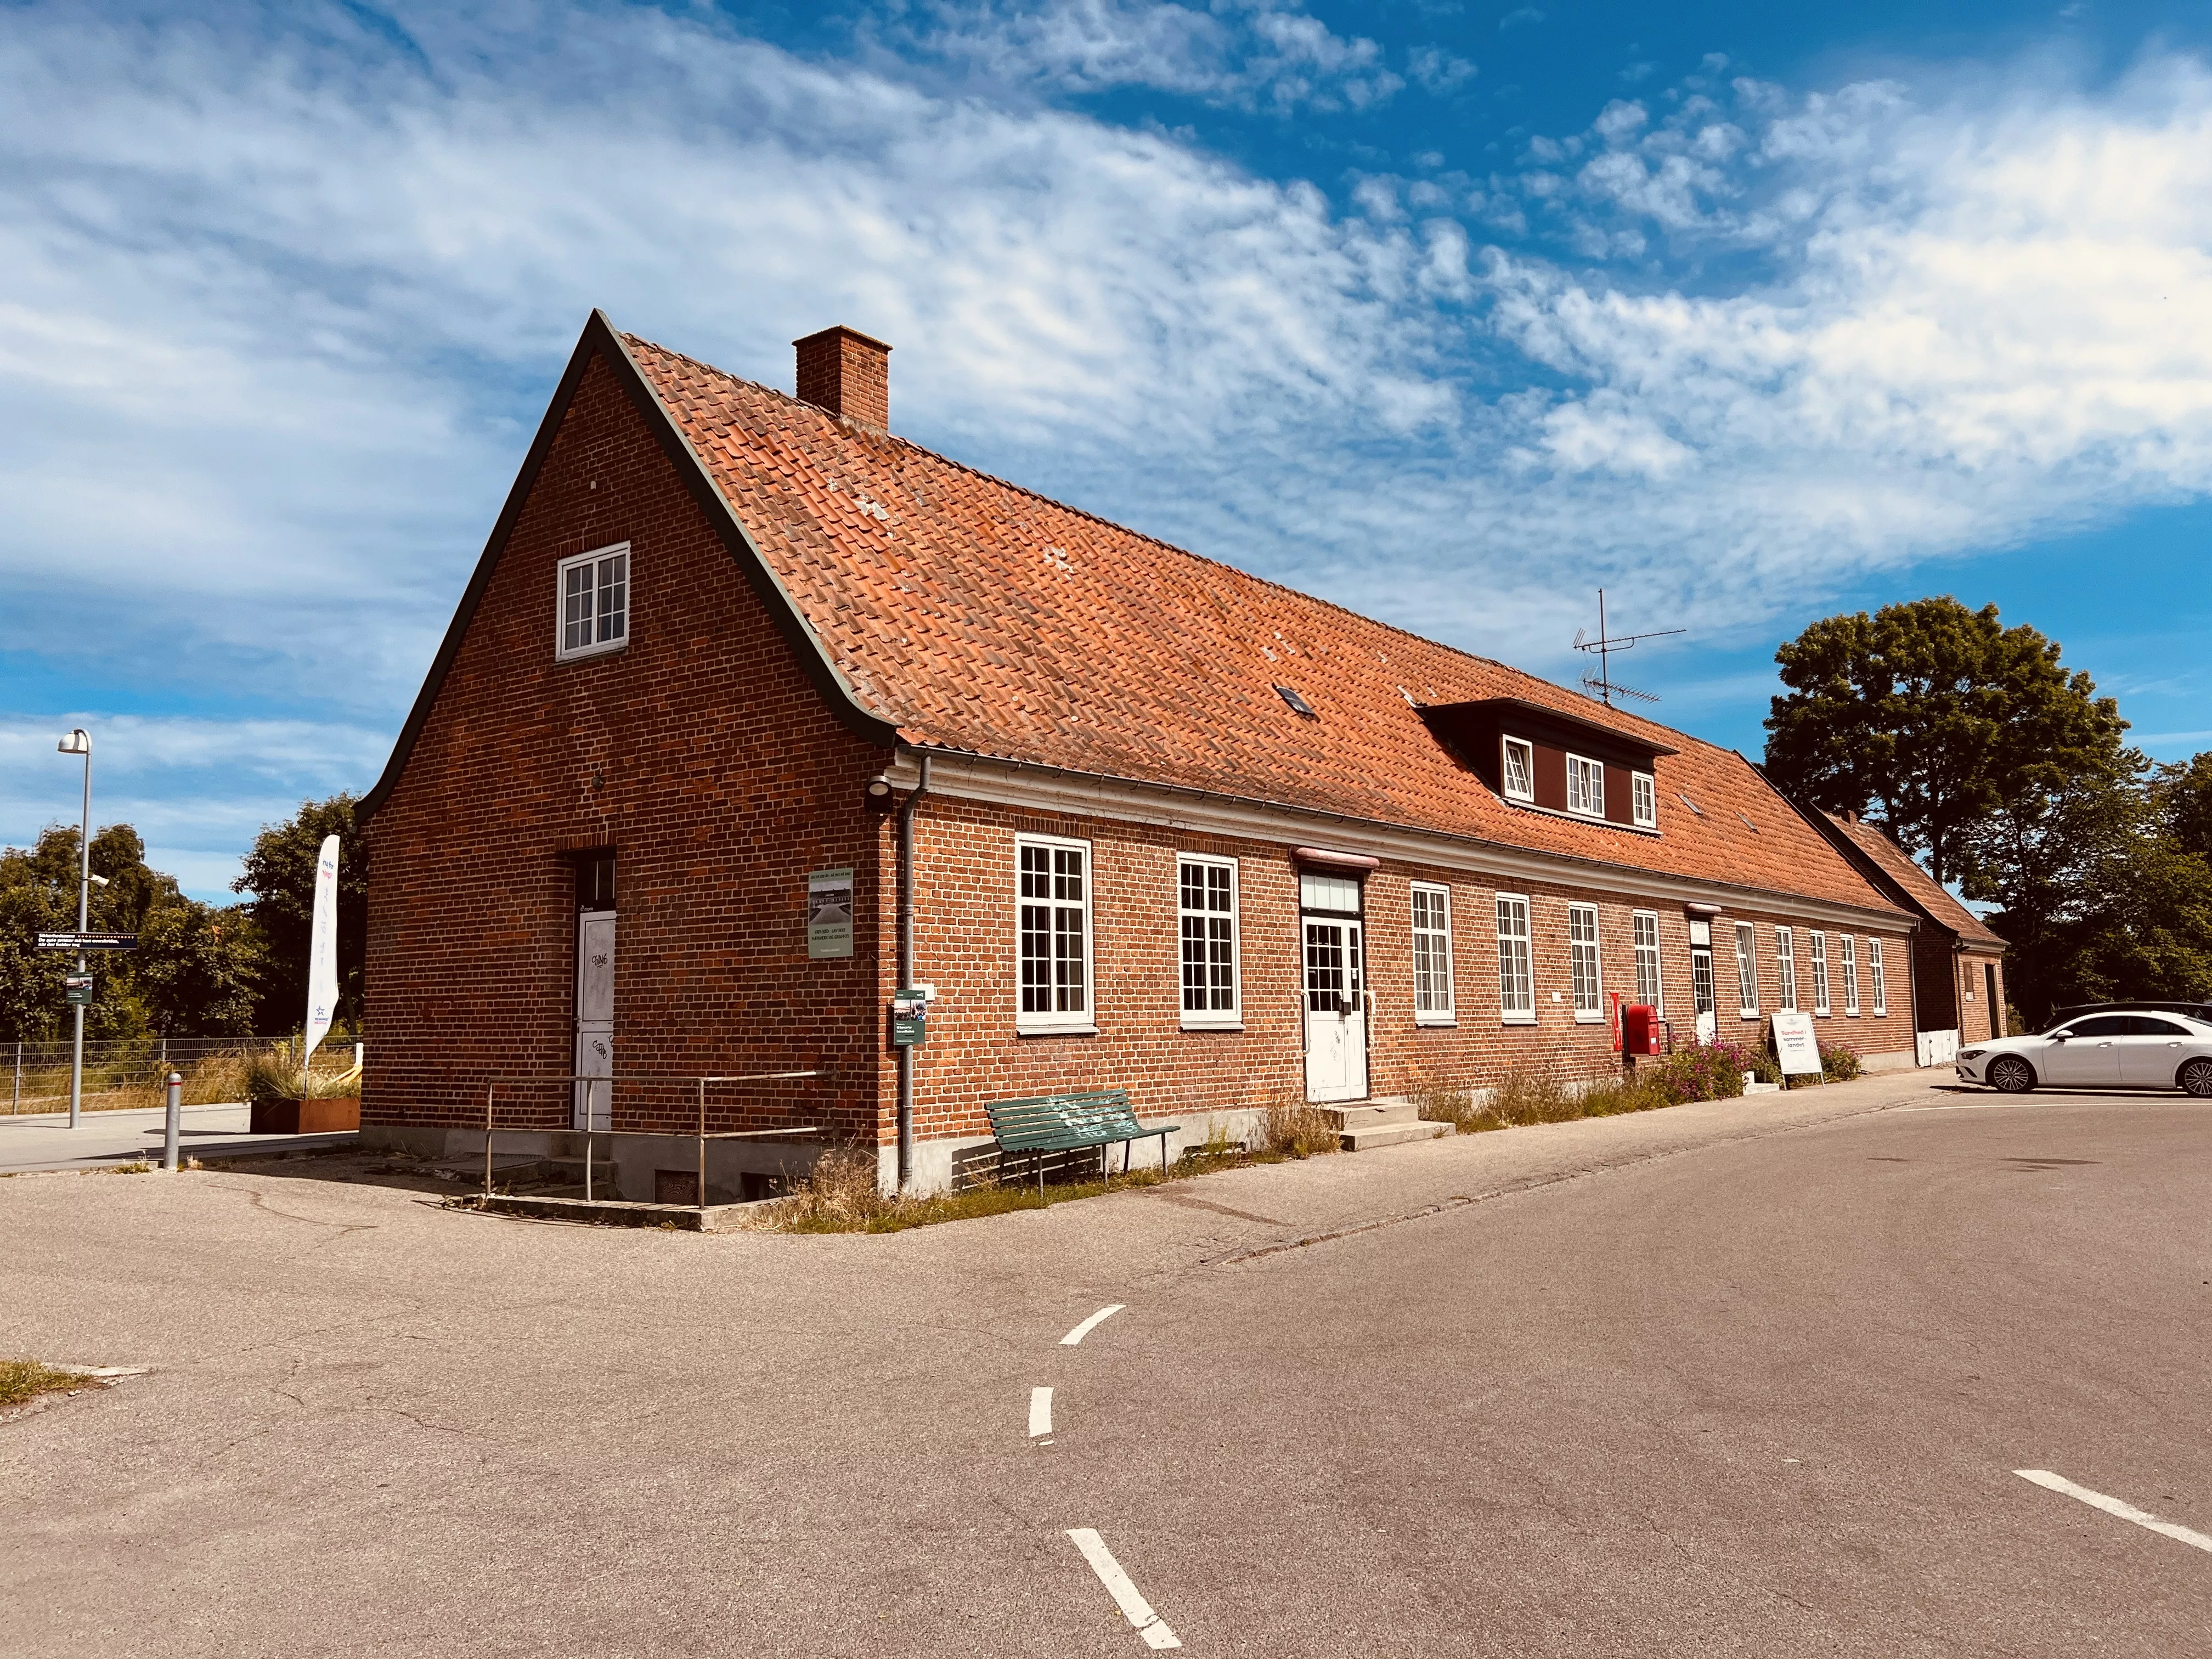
(46, 1141)
(1744, 1379)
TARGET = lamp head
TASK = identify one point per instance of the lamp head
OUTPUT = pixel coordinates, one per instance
(78, 742)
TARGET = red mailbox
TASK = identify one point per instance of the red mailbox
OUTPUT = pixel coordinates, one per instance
(1639, 1030)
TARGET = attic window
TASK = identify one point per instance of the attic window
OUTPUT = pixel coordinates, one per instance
(1688, 802)
(593, 594)
(1298, 704)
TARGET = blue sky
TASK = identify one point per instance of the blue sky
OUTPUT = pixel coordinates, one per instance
(1451, 312)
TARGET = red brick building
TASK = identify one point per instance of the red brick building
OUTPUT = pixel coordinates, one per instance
(1183, 830)
(1958, 964)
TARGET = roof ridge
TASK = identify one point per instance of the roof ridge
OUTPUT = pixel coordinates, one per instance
(1146, 536)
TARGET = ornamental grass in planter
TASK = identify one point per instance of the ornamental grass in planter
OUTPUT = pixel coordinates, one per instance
(285, 1100)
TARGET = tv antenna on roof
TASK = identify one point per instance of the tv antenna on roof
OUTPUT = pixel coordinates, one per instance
(1599, 682)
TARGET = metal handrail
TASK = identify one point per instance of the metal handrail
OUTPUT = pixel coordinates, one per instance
(491, 1091)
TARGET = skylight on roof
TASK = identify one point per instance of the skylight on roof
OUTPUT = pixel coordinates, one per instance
(1298, 704)
(1747, 823)
(1688, 802)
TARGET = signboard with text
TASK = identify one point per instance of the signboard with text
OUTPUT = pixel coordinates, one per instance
(88, 941)
(830, 914)
(1796, 1044)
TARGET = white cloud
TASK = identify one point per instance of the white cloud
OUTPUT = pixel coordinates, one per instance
(196, 789)
(1250, 54)
(280, 314)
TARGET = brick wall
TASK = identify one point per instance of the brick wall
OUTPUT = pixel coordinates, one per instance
(700, 753)
(965, 943)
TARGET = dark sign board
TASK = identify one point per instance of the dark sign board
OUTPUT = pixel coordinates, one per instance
(88, 941)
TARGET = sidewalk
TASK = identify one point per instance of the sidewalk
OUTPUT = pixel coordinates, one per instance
(44, 1140)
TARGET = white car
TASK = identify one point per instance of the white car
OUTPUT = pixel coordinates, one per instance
(2098, 1051)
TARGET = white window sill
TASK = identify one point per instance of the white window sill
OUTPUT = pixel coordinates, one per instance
(1594, 1017)
(1235, 1023)
(1439, 1021)
(1021, 1030)
(1516, 1019)
(1748, 1013)
(610, 648)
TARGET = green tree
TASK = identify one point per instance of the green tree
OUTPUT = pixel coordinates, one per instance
(198, 970)
(2183, 794)
(280, 875)
(1933, 718)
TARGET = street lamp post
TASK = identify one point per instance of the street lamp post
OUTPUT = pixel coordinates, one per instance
(79, 742)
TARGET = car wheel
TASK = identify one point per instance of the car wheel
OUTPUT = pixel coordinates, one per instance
(2011, 1076)
(2196, 1078)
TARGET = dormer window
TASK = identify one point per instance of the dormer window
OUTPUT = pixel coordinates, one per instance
(1585, 787)
(1645, 799)
(1520, 770)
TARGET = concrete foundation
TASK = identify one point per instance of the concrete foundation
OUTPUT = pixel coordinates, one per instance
(632, 1166)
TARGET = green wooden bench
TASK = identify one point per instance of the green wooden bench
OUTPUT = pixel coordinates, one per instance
(1063, 1123)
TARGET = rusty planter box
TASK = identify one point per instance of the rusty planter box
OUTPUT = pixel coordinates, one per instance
(305, 1117)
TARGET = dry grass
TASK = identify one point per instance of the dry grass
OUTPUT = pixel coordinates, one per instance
(1530, 1095)
(841, 1196)
(22, 1380)
(1288, 1128)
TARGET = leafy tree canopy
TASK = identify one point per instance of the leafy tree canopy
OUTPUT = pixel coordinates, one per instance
(1933, 718)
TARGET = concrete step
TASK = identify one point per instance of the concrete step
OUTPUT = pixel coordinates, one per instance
(1389, 1134)
(1373, 1114)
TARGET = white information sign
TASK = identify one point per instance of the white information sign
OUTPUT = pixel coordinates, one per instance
(1796, 1045)
(323, 949)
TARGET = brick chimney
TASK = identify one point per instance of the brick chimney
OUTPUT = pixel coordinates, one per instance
(844, 371)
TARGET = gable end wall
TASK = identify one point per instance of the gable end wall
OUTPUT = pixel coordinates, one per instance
(702, 753)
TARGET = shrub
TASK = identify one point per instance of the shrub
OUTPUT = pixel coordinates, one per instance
(1458, 1107)
(1763, 1065)
(1839, 1063)
(1706, 1071)
(274, 1076)
(1291, 1128)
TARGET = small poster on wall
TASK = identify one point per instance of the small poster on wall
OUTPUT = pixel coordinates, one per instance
(1796, 1046)
(829, 913)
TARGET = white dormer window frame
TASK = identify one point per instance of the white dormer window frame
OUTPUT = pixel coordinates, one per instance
(1643, 792)
(1585, 787)
(591, 605)
(1519, 773)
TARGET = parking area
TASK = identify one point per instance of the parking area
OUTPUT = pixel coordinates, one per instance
(1755, 1377)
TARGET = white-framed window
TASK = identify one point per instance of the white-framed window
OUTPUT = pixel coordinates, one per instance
(1432, 956)
(1747, 971)
(1644, 794)
(1649, 989)
(1785, 969)
(1520, 769)
(1206, 905)
(1819, 942)
(1053, 925)
(593, 606)
(1849, 949)
(1874, 973)
(1516, 985)
(1582, 962)
(1585, 787)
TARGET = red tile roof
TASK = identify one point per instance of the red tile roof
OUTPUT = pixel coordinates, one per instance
(977, 617)
(1924, 890)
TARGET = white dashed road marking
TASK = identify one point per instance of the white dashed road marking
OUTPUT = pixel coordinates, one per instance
(1039, 1412)
(1138, 1611)
(1090, 1325)
(2097, 1500)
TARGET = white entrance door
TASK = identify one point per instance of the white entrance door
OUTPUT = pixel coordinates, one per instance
(1701, 978)
(595, 1018)
(1336, 1012)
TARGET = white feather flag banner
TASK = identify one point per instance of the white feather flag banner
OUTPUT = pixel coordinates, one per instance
(323, 949)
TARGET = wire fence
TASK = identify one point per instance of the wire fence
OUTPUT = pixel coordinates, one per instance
(129, 1071)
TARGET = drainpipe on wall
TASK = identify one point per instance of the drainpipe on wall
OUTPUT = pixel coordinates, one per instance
(906, 969)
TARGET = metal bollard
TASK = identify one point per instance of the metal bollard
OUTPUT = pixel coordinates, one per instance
(169, 1123)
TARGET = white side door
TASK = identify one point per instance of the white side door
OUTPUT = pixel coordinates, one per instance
(594, 1107)
(1335, 1012)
